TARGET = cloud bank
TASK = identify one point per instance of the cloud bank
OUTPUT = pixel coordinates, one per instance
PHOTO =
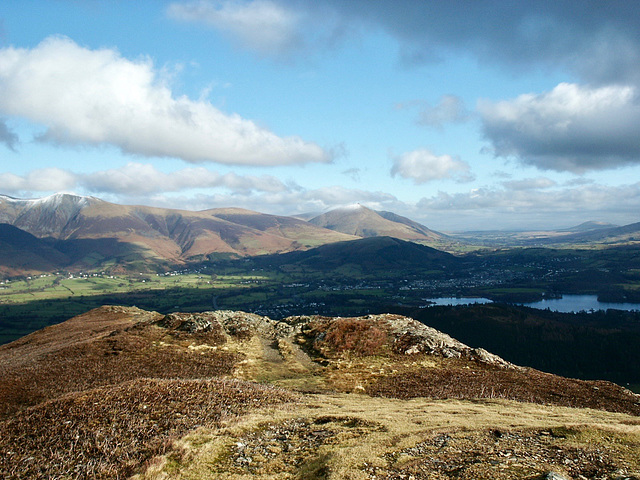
(143, 179)
(97, 97)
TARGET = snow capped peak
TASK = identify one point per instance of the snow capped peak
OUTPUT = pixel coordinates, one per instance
(67, 201)
(58, 198)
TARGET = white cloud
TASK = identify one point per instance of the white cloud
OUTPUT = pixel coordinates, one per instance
(534, 208)
(260, 25)
(145, 178)
(571, 128)
(40, 180)
(140, 180)
(423, 166)
(98, 97)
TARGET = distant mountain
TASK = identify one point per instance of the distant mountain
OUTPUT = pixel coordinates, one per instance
(51, 216)
(589, 226)
(368, 255)
(92, 232)
(364, 222)
(611, 235)
(288, 227)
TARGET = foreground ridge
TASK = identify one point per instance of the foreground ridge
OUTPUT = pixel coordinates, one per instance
(121, 391)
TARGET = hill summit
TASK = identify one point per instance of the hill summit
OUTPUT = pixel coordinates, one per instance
(121, 392)
(361, 221)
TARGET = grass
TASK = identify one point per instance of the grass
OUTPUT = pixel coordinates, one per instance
(356, 437)
(109, 432)
(53, 287)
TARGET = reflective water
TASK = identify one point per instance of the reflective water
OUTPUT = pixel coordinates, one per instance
(566, 304)
(450, 301)
(578, 303)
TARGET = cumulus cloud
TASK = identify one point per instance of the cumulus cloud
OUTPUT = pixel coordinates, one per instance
(423, 166)
(260, 25)
(98, 97)
(353, 173)
(571, 128)
(40, 180)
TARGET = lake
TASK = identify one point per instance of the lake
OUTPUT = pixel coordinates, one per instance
(577, 303)
(566, 304)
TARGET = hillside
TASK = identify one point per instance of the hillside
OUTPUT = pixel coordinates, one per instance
(590, 226)
(94, 233)
(363, 222)
(21, 252)
(610, 235)
(365, 256)
(121, 391)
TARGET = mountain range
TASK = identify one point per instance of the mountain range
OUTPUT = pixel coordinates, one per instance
(70, 231)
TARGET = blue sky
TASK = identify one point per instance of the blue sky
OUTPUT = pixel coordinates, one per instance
(462, 115)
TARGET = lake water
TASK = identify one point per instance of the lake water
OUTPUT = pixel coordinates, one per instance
(577, 303)
(451, 301)
(566, 304)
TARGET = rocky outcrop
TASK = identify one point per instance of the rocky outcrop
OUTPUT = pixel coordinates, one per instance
(393, 333)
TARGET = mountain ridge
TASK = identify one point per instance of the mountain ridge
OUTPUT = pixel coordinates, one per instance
(158, 235)
(90, 232)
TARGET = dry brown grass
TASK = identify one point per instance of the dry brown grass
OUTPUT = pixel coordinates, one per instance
(138, 351)
(110, 432)
(461, 379)
(108, 392)
(348, 336)
(338, 437)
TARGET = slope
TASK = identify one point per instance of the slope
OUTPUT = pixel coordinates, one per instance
(94, 232)
(21, 252)
(369, 255)
(121, 391)
(363, 222)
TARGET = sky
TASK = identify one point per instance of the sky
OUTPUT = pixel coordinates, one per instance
(462, 115)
